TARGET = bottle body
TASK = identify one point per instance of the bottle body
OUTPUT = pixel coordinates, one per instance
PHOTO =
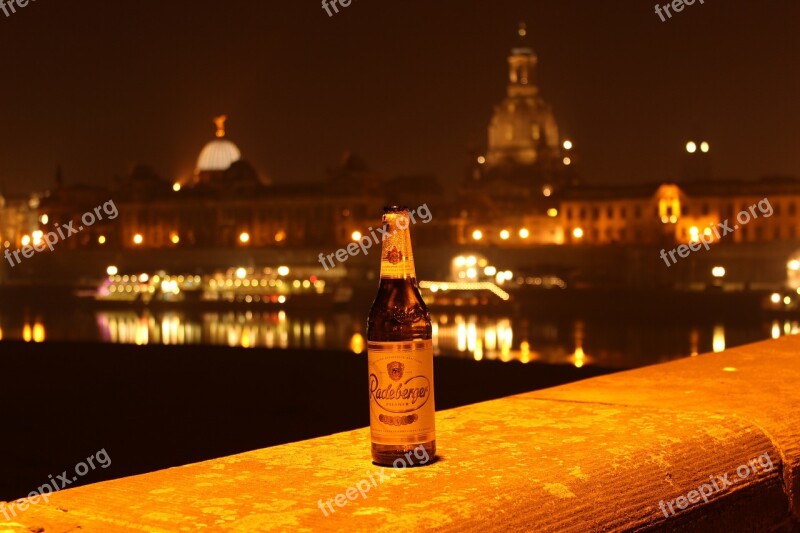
(400, 352)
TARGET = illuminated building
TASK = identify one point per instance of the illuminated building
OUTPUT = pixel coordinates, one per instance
(527, 164)
(18, 218)
(523, 128)
(224, 206)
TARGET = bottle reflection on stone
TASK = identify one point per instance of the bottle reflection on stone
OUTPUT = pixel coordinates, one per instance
(400, 351)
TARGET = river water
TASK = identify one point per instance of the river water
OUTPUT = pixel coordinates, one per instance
(575, 341)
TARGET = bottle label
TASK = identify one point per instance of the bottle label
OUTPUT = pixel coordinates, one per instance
(401, 406)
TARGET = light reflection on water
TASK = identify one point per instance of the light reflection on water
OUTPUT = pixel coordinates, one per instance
(477, 337)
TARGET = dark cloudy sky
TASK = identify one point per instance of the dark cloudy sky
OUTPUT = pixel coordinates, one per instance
(99, 85)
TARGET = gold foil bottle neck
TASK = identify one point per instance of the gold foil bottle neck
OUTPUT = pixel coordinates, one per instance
(397, 259)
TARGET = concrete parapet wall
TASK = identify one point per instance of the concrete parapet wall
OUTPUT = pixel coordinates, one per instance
(597, 455)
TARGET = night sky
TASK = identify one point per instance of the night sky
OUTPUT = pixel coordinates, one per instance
(99, 86)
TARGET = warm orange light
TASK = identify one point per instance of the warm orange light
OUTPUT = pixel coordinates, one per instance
(244, 237)
(524, 351)
(26, 240)
(552, 212)
(356, 235)
(357, 343)
(174, 237)
(101, 239)
(477, 235)
(176, 186)
(38, 332)
(138, 239)
(505, 234)
(567, 161)
(481, 160)
(577, 233)
(718, 339)
(280, 236)
(220, 123)
(579, 357)
(567, 145)
(524, 233)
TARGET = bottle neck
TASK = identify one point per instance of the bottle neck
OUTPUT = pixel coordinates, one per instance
(397, 259)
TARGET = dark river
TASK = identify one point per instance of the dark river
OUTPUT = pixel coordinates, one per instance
(577, 342)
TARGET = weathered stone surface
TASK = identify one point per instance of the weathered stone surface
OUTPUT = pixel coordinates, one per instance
(759, 383)
(597, 455)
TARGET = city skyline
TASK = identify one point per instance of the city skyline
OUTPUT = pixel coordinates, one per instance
(295, 105)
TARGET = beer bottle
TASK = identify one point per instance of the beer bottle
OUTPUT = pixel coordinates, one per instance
(400, 352)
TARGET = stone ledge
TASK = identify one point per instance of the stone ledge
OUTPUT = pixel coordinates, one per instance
(596, 455)
(759, 383)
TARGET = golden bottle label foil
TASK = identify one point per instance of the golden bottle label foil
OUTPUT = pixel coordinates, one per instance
(401, 406)
(397, 260)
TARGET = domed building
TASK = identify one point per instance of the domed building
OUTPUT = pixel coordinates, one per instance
(217, 156)
(523, 130)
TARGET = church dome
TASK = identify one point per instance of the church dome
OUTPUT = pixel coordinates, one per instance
(218, 154)
(523, 130)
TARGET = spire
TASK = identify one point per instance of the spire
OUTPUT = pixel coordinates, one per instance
(522, 65)
(220, 123)
(523, 46)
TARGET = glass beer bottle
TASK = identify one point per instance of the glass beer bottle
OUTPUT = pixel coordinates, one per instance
(400, 352)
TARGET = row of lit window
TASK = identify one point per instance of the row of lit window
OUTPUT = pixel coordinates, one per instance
(306, 284)
(244, 238)
(744, 232)
(113, 275)
(730, 209)
(505, 234)
(609, 212)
